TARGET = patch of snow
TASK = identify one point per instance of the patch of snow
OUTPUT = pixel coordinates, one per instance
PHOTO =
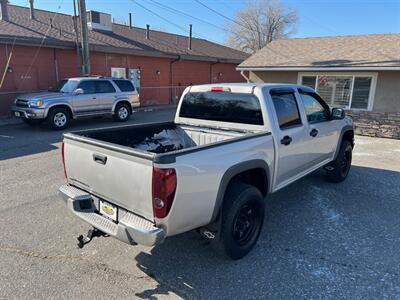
(363, 154)
(164, 141)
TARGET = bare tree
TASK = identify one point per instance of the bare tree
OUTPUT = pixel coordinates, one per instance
(259, 23)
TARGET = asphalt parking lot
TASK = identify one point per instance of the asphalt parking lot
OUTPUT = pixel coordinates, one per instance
(320, 240)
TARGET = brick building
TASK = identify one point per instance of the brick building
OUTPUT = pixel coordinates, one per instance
(43, 49)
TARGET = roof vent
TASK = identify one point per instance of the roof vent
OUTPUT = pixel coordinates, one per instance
(99, 21)
(3, 10)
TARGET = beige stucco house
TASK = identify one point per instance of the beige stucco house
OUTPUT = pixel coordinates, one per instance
(359, 72)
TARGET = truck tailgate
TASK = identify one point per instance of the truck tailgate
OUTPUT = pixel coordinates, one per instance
(119, 178)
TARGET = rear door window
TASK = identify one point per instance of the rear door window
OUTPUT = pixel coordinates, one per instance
(104, 86)
(286, 109)
(222, 106)
(88, 86)
(125, 85)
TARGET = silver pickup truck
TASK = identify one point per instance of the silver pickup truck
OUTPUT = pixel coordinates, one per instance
(211, 169)
(78, 98)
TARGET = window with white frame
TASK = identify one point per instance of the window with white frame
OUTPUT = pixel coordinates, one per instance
(347, 91)
(118, 72)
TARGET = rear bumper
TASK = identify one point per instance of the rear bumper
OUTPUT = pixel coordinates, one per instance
(130, 229)
(29, 113)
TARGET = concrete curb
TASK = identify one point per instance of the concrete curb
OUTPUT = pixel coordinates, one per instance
(9, 120)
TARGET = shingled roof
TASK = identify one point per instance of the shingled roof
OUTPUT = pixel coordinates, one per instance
(122, 39)
(372, 51)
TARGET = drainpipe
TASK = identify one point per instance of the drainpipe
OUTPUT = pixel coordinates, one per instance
(245, 77)
(211, 65)
(56, 66)
(170, 75)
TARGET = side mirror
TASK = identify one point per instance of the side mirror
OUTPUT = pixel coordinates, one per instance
(338, 113)
(78, 92)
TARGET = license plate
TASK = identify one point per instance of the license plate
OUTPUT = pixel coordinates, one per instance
(17, 113)
(108, 210)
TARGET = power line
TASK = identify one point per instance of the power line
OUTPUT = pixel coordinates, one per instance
(187, 15)
(222, 15)
(161, 17)
(170, 22)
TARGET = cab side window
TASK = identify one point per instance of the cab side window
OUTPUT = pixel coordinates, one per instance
(286, 109)
(316, 110)
(88, 86)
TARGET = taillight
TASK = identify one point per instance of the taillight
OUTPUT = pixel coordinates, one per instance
(164, 187)
(63, 159)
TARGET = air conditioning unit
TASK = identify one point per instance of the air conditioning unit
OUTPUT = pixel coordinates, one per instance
(99, 21)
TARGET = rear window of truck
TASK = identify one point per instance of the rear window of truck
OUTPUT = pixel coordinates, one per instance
(222, 106)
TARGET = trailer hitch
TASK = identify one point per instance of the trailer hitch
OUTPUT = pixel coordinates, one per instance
(93, 232)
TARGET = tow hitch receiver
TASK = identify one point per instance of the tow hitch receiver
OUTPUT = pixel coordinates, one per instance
(93, 232)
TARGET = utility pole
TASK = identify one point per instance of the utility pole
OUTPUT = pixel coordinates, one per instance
(78, 50)
(84, 37)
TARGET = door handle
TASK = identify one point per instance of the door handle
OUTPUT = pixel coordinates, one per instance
(94, 98)
(314, 132)
(101, 159)
(286, 140)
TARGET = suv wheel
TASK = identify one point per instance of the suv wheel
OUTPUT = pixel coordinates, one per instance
(242, 219)
(341, 165)
(59, 118)
(122, 112)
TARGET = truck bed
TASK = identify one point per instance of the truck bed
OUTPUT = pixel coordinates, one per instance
(160, 138)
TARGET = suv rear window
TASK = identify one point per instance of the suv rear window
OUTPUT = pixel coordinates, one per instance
(222, 106)
(125, 85)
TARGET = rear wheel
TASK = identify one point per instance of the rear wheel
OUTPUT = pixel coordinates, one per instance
(59, 118)
(341, 165)
(242, 219)
(122, 112)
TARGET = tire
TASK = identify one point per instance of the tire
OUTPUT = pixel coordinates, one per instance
(341, 165)
(242, 219)
(58, 118)
(32, 122)
(122, 112)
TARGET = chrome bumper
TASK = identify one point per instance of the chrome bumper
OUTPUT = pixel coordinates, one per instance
(130, 229)
(29, 113)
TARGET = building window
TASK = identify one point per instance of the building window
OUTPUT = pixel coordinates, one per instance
(118, 72)
(347, 91)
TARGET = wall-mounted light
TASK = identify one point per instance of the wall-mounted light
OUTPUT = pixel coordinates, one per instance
(219, 74)
(158, 72)
(10, 69)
